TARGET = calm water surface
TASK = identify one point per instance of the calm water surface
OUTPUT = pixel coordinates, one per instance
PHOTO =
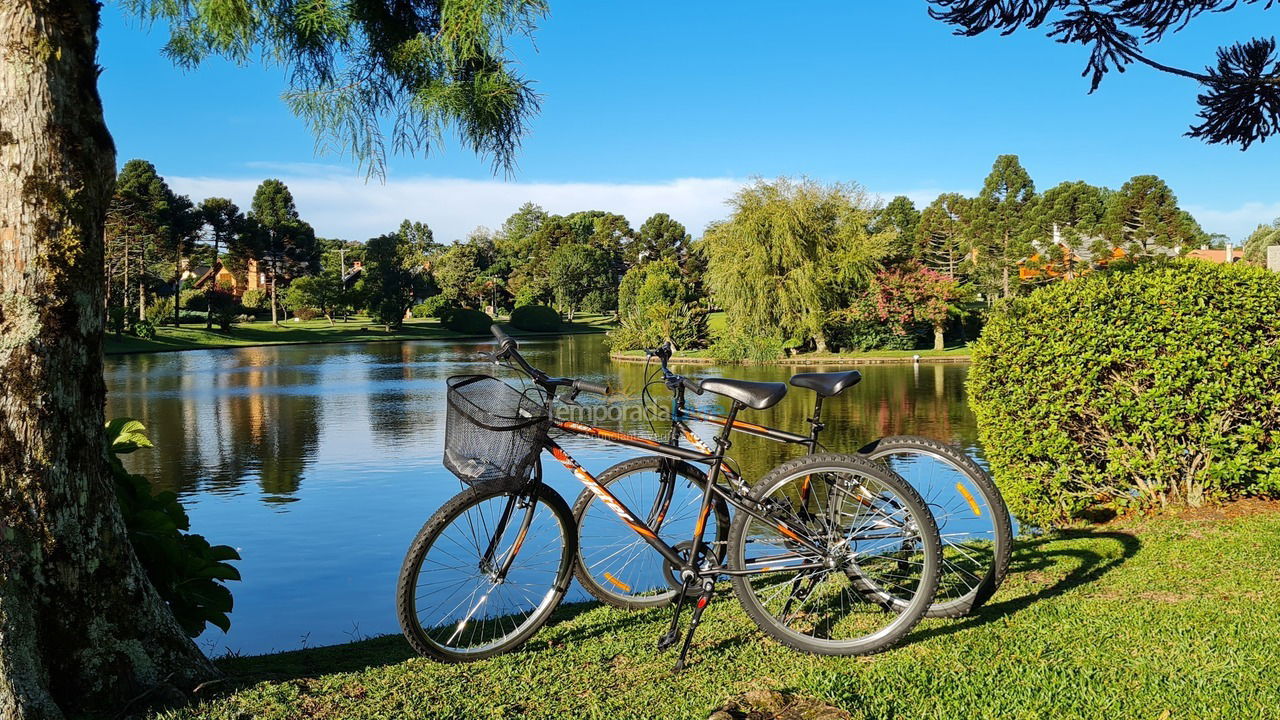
(320, 462)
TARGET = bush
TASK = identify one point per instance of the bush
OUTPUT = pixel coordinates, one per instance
(160, 311)
(1142, 388)
(738, 347)
(436, 306)
(306, 313)
(255, 300)
(185, 569)
(144, 329)
(193, 299)
(472, 322)
(685, 327)
(535, 318)
(117, 319)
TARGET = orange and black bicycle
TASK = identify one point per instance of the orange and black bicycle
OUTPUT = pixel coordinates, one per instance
(621, 570)
(829, 553)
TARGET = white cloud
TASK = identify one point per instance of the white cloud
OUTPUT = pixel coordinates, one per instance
(1236, 223)
(346, 207)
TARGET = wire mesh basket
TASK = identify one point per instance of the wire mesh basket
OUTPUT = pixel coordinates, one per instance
(493, 432)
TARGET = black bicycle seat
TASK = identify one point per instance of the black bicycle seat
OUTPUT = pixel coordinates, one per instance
(827, 384)
(755, 395)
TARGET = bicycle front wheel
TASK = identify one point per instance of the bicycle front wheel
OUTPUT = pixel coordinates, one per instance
(485, 572)
(619, 567)
(973, 522)
(876, 545)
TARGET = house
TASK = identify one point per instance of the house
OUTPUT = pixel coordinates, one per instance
(1217, 256)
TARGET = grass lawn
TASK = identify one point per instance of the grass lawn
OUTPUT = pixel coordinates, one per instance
(359, 329)
(1168, 618)
(956, 353)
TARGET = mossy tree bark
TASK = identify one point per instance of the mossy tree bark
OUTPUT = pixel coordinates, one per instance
(81, 628)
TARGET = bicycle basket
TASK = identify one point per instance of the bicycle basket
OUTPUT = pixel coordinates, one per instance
(493, 432)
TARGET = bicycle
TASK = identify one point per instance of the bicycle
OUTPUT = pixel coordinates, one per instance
(973, 521)
(831, 554)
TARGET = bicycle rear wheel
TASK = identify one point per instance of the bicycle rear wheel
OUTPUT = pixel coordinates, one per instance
(878, 544)
(973, 522)
(485, 572)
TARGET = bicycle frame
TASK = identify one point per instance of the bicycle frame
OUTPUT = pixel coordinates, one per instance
(715, 460)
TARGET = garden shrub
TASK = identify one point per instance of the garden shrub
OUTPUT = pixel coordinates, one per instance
(306, 313)
(739, 347)
(185, 569)
(160, 311)
(117, 319)
(255, 300)
(144, 329)
(436, 306)
(193, 299)
(535, 318)
(1138, 388)
(472, 322)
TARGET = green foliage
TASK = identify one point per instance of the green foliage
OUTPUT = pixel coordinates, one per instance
(160, 311)
(1255, 248)
(857, 335)
(1143, 218)
(471, 322)
(901, 218)
(944, 232)
(144, 329)
(655, 305)
(254, 300)
(906, 297)
(791, 252)
(736, 346)
(1143, 387)
(535, 318)
(193, 300)
(436, 306)
(395, 273)
(1000, 218)
(188, 572)
(117, 318)
(414, 68)
(288, 249)
(320, 294)
(583, 277)
(659, 238)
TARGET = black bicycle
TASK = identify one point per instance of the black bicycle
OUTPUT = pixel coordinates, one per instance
(830, 553)
(616, 568)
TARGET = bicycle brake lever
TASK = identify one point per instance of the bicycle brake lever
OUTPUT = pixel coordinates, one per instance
(572, 399)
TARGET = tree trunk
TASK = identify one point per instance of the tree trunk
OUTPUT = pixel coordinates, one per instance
(274, 319)
(208, 318)
(81, 628)
(177, 287)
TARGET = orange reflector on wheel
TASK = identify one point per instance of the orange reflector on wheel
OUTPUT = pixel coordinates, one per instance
(617, 583)
(973, 505)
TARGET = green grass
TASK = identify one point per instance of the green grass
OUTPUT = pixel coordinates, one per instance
(1170, 618)
(958, 352)
(359, 329)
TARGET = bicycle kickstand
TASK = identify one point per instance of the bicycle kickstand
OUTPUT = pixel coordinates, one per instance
(708, 589)
(673, 631)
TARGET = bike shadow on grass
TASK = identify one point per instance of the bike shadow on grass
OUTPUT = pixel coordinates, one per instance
(1031, 559)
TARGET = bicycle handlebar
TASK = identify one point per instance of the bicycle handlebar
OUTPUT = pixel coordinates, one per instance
(663, 353)
(509, 348)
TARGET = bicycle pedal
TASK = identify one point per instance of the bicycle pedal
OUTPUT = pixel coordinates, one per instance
(669, 640)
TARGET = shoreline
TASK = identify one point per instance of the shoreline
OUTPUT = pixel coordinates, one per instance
(802, 360)
(361, 335)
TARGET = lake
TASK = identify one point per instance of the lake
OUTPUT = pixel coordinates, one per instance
(319, 463)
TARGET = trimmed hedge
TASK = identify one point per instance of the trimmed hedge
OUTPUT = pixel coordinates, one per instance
(1137, 388)
(472, 322)
(535, 318)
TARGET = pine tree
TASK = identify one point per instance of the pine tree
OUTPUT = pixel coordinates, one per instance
(1143, 219)
(1001, 217)
(943, 233)
(289, 249)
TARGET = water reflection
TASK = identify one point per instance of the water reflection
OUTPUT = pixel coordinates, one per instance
(320, 462)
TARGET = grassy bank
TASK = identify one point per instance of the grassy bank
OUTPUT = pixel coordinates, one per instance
(360, 329)
(1168, 618)
(959, 353)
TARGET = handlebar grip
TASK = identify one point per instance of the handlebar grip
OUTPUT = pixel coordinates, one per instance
(504, 340)
(693, 385)
(591, 387)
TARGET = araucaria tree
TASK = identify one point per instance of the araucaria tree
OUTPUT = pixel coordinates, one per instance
(1000, 218)
(1240, 98)
(83, 630)
(1143, 218)
(943, 233)
(288, 247)
(790, 253)
(395, 273)
(1065, 224)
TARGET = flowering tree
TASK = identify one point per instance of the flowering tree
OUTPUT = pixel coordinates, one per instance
(912, 294)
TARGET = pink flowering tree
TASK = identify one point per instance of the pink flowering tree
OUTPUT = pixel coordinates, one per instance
(911, 294)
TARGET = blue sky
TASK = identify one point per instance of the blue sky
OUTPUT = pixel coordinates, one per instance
(669, 106)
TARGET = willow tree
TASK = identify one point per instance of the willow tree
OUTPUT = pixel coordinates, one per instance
(81, 628)
(790, 253)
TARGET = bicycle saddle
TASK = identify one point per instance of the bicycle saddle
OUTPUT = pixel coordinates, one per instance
(827, 384)
(755, 395)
